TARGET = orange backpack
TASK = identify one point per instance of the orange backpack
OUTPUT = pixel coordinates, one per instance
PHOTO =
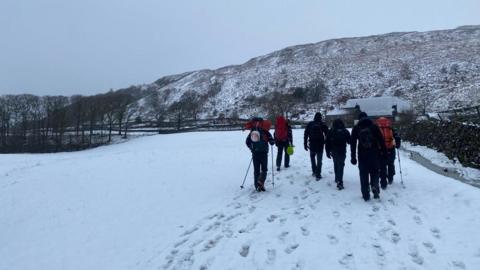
(386, 128)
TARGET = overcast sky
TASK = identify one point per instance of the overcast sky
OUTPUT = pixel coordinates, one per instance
(89, 46)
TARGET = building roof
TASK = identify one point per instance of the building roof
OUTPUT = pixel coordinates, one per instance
(378, 106)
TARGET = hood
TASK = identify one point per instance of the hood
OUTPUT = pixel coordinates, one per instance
(318, 117)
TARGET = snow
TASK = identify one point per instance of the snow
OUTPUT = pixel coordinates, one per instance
(441, 160)
(174, 202)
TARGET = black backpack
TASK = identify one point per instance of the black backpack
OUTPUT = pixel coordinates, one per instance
(316, 132)
(339, 137)
(365, 137)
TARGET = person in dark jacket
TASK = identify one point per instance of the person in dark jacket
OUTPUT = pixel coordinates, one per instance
(257, 141)
(283, 138)
(392, 140)
(314, 140)
(336, 147)
(370, 150)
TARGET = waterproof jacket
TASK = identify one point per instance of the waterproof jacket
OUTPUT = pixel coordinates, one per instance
(315, 134)
(337, 138)
(378, 148)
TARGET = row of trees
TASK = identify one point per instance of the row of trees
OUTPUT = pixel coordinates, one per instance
(30, 123)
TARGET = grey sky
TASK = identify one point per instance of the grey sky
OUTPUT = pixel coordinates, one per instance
(89, 46)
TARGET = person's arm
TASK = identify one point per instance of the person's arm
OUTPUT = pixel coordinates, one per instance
(248, 142)
(325, 130)
(271, 141)
(290, 135)
(328, 144)
(306, 134)
(353, 146)
(397, 138)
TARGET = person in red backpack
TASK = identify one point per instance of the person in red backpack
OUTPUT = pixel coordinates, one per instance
(283, 138)
(257, 141)
(392, 140)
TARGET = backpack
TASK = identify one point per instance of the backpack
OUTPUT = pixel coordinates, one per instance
(316, 132)
(281, 129)
(385, 127)
(259, 140)
(338, 137)
(365, 137)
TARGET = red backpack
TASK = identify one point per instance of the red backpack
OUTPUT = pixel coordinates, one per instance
(281, 129)
(258, 123)
(385, 126)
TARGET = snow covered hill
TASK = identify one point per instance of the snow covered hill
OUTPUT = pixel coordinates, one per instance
(174, 202)
(436, 70)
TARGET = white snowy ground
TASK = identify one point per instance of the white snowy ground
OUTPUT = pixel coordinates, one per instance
(174, 202)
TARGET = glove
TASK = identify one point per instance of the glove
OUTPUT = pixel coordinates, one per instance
(353, 161)
(329, 155)
(306, 147)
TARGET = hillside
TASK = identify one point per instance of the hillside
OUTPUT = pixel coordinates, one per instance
(174, 202)
(436, 70)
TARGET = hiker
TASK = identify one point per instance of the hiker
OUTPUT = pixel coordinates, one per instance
(314, 140)
(336, 147)
(391, 141)
(283, 139)
(371, 149)
(257, 141)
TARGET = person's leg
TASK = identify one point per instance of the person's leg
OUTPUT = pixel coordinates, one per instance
(364, 181)
(287, 157)
(279, 155)
(319, 163)
(341, 165)
(313, 162)
(264, 167)
(383, 172)
(335, 166)
(374, 177)
(256, 169)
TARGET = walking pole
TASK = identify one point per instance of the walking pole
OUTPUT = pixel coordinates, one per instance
(400, 166)
(273, 175)
(245, 178)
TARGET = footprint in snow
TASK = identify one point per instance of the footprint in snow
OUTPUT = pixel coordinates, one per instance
(282, 236)
(333, 239)
(459, 265)
(251, 209)
(180, 243)
(414, 208)
(190, 231)
(336, 214)
(435, 232)
(271, 256)
(379, 250)
(392, 222)
(415, 255)
(375, 208)
(429, 247)
(291, 248)
(212, 243)
(249, 228)
(346, 260)
(395, 237)
(272, 218)
(418, 220)
(244, 250)
(305, 231)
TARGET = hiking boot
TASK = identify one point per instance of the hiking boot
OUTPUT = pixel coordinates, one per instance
(278, 169)
(376, 196)
(313, 174)
(286, 166)
(366, 198)
(261, 186)
(340, 186)
(390, 181)
(318, 177)
(384, 186)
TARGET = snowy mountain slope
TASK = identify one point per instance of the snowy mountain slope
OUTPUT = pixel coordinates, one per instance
(439, 69)
(174, 202)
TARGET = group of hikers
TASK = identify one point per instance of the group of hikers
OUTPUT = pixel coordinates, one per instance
(376, 143)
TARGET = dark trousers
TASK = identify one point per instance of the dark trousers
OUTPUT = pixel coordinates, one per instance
(260, 167)
(387, 168)
(338, 165)
(369, 172)
(282, 149)
(316, 160)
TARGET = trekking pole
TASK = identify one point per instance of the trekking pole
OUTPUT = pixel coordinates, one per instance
(273, 175)
(245, 178)
(400, 167)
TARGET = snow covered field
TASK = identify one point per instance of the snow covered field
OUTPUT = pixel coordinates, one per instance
(174, 202)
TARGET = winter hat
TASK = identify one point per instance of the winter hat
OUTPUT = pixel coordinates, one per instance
(318, 117)
(362, 115)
